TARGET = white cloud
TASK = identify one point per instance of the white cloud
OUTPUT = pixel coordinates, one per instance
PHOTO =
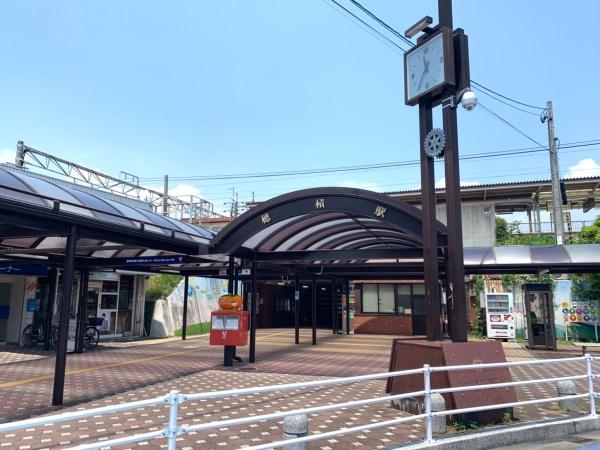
(179, 190)
(441, 183)
(584, 168)
(7, 155)
(369, 186)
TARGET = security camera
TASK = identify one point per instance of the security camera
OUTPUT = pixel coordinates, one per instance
(468, 100)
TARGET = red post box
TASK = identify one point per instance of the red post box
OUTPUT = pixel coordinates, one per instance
(229, 328)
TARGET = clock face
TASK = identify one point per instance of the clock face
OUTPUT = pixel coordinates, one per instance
(425, 67)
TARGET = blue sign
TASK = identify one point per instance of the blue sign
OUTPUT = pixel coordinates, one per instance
(39, 270)
(154, 260)
(33, 304)
(4, 310)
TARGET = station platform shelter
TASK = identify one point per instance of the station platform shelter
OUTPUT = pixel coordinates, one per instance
(316, 257)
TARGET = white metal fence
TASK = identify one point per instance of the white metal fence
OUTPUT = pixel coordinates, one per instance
(174, 429)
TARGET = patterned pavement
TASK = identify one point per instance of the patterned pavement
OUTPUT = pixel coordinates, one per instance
(122, 372)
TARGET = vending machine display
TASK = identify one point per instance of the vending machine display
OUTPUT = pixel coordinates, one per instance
(499, 314)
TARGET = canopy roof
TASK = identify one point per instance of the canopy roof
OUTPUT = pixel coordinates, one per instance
(321, 219)
(341, 233)
(35, 215)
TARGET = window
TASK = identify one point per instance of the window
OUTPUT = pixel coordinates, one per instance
(400, 299)
(418, 297)
(403, 297)
(386, 298)
(370, 298)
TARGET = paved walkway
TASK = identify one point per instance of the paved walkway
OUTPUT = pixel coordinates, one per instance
(122, 372)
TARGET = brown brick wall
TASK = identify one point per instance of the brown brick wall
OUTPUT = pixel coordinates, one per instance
(380, 324)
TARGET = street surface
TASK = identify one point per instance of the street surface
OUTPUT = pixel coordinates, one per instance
(119, 372)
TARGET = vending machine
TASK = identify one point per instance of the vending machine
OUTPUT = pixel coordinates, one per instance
(500, 317)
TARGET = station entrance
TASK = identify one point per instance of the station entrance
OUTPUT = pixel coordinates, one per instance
(277, 303)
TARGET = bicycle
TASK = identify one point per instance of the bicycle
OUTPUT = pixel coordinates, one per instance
(33, 335)
(91, 336)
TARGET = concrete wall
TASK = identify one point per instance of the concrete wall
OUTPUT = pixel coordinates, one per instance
(478, 223)
(13, 330)
(203, 298)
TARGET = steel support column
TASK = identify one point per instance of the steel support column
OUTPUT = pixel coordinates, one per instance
(229, 350)
(82, 309)
(314, 310)
(253, 306)
(452, 177)
(63, 324)
(297, 310)
(52, 282)
(186, 288)
(333, 309)
(347, 292)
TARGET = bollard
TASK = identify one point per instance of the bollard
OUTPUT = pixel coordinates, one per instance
(564, 388)
(293, 427)
(438, 424)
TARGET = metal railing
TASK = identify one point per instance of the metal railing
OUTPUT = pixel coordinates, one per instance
(175, 398)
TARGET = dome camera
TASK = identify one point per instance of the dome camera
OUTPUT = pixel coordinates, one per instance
(468, 100)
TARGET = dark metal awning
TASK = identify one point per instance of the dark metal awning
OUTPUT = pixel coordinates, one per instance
(326, 220)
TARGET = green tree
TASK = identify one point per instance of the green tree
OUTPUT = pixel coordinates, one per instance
(159, 286)
(508, 233)
(587, 286)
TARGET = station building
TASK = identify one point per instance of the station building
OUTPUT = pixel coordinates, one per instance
(116, 296)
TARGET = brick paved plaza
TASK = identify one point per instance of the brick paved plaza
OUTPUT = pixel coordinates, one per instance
(127, 371)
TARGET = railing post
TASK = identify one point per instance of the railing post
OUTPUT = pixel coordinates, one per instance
(427, 399)
(590, 376)
(174, 399)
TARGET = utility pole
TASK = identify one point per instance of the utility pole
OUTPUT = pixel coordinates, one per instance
(559, 228)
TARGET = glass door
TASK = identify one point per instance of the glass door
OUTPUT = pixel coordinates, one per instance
(107, 310)
(92, 298)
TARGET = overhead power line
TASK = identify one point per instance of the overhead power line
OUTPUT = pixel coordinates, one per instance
(383, 24)
(503, 120)
(481, 86)
(378, 35)
(486, 90)
(480, 155)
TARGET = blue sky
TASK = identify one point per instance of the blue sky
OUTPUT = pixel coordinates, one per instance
(191, 88)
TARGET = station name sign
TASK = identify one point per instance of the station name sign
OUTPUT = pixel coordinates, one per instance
(23, 269)
(153, 260)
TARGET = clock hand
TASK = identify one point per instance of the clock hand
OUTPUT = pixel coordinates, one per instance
(425, 70)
